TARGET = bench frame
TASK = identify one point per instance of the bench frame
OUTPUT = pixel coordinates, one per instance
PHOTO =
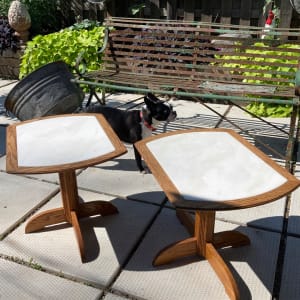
(188, 60)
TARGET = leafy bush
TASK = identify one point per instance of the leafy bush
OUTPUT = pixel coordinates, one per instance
(4, 6)
(260, 108)
(64, 45)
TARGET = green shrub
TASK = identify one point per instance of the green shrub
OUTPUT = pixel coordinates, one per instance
(4, 6)
(260, 108)
(64, 45)
(45, 17)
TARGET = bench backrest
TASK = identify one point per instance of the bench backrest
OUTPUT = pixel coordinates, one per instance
(198, 50)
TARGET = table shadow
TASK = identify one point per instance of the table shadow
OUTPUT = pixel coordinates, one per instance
(136, 253)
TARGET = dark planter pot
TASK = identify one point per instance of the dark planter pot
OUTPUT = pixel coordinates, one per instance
(44, 92)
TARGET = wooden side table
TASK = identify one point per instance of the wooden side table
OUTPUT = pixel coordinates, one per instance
(63, 144)
(207, 170)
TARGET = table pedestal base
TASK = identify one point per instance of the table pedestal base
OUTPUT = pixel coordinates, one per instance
(71, 211)
(204, 243)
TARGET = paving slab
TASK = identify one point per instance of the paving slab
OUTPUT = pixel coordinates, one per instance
(294, 214)
(5, 87)
(121, 177)
(109, 240)
(253, 266)
(22, 282)
(20, 196)
(290, 288)
(237, 112)
(114, 297)
(189, 109)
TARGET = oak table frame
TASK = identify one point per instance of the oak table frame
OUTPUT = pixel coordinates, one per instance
(188, 165)
(76, 141)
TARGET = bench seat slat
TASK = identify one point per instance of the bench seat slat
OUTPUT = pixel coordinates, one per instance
(169, 83)
(169, 68)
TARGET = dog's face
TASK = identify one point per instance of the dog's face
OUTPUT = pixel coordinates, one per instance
(159, 110)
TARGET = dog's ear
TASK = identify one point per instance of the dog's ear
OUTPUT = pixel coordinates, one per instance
(151, 100)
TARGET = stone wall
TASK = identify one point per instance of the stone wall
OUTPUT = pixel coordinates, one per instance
(10, 63)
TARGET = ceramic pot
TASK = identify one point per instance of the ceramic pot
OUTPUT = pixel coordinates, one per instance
(44, 92)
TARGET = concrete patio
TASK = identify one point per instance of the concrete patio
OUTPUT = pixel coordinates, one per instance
(120, 248)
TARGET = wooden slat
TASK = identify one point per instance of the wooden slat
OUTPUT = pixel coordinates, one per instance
(286, 11)
(245, 12)
(171, 9)
(185, 61)
(175, 23)
(165, 68)
(198, 85)
(155, 8)
(189, 8)
(206, 12)
(226, 11)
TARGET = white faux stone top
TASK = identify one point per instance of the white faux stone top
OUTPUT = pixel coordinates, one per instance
(213, 166)
(61, 140)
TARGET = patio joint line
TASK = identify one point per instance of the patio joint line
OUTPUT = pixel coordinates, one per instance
(38, 267)
(27, 215)
(109, 286)
(281, 251)
(259, 227)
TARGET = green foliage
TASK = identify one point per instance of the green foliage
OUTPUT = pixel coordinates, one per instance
(85, 24)
(269, 109)
(260, 108)
(4, 6)
(44, 15)
(65, 45)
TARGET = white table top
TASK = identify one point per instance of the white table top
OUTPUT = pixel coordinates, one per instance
(61, 140)
(213, 166)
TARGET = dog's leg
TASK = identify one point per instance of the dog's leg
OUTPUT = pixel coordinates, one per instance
(138, 160)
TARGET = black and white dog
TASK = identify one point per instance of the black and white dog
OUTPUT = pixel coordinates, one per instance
(134, 125)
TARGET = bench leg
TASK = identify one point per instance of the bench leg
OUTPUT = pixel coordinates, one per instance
(292, 146)
(103, 96)
(94, 94)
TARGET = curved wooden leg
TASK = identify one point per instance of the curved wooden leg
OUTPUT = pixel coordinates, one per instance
(98, 207)
(71, 210)
(78, 234)
(177, 250)
(46, 218)
(204, 243)
(222, 271)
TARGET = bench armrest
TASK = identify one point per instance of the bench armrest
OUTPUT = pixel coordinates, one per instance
(81, 63)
